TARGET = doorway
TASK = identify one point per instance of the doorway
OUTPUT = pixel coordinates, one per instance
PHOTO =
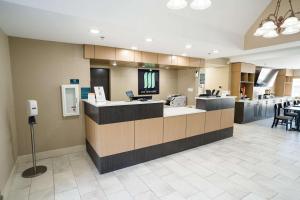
(101, 77)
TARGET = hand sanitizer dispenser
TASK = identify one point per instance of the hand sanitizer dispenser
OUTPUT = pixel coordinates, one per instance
(32, 112)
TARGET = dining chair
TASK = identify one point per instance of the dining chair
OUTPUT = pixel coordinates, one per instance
(286, 120)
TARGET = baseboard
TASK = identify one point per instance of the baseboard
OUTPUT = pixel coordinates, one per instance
(52, 153)
(5, 191)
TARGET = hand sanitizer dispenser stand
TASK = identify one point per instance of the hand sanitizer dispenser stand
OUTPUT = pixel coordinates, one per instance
(32, 111)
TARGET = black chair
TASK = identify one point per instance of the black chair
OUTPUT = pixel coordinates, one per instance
(286, 120)
(289, 112)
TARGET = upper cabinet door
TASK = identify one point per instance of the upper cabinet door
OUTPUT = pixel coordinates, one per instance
(182, 61)
(148, 57)
(248, 68)
(194, 62)
(137, 56)
(88, 51)
(164, 59)
(125, 55)
(105, 53)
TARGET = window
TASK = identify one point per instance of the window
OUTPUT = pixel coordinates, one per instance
(296, 87)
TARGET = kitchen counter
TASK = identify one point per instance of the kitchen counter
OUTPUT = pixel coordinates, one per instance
(214, 97)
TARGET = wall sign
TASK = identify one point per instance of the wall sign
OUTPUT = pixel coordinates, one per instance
(148, 81)
(74, 81)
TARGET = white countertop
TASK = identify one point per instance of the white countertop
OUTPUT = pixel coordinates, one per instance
(121, 103)
(214, 97)
(176, 111)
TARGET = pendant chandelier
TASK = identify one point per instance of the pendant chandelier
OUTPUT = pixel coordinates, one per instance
(274, 25)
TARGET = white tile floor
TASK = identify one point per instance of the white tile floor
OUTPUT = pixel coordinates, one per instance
(257, 163)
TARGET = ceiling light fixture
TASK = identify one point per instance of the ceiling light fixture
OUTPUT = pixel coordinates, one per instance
(114, 63)
(148, 39)
(195, 4)
(94, 31)
(200, 4)
(176, 4)
(274, 24)
(188, 46)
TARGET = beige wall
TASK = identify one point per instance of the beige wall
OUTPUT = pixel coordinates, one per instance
(8, 146)
(187, 85)
(217, 73)
(252, 42)
(123, 79)
(39, 68)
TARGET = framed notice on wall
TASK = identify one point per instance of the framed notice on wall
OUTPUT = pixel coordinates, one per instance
(148, 81)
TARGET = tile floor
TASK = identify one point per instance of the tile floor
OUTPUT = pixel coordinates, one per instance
(257, 163)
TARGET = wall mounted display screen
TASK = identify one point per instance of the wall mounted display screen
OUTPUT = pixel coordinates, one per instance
(148, 81)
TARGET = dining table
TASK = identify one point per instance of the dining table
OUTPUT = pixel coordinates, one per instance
(295, 109)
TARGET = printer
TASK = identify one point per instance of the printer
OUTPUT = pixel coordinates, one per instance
(176, 101)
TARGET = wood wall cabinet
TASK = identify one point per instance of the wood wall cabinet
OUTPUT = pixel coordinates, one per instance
(124, 55)
(212, 121)
(105, 53)
(148, 57)
(164, 59)
(183, 61)
(196, 62)
(242, 77)
(195, 124)
(137, 56)
(127, 55)
(148, 132)
(88, 51)
(284, 81)
(174, 128)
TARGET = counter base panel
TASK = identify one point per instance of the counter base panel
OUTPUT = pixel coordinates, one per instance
(129, 158)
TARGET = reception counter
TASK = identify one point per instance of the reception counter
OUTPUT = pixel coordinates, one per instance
(121, 134)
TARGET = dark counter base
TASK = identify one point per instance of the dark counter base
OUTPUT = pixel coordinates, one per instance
(126, 159)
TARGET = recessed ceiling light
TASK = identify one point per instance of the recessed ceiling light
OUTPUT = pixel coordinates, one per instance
(200, 4)
(184, 54)
(148, 39)
(114, 63)
(188, 46)
(176, 4)
(94, 31)
(134, 48)
(215, 51)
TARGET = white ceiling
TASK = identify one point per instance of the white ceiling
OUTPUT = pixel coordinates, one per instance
(283, 58)
(128, 22)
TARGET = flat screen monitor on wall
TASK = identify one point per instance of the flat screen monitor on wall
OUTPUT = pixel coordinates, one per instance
(148, 81)
(265, 77)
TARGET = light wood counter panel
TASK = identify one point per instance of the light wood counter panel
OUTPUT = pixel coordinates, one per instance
(174, 128)
(148, 57)
(105, 53)
(88, 51)
(148, 132)
(195, 124)
(114, 138)
(227, 118)
(212, 120)
(125, 55)
(90, 130)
